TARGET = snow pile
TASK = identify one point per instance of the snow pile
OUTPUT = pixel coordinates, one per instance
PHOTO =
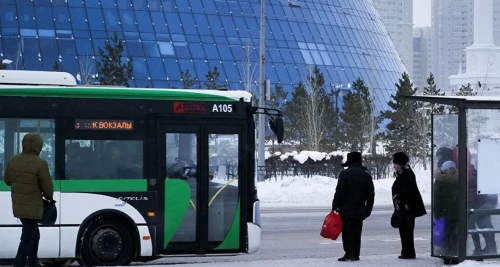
(318, 191)
(476, 263)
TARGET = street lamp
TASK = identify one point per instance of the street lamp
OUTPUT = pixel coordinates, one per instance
(261, 161)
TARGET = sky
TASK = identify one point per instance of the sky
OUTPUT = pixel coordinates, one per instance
(421, 13)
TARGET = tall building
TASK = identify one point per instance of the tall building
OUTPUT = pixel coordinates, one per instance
(345, 38)
(422, 60)
(397, 16)
(452, 33)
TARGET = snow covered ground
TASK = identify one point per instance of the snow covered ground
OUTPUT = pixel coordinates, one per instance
(379, 260)
(318, 191)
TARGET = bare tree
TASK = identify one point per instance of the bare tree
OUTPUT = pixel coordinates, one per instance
(249, 72)
(87, 69)
(315, 110)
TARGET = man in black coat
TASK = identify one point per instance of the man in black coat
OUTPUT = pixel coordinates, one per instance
(353, 200)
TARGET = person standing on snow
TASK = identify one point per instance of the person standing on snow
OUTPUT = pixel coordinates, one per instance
(29, 178)
(353, 200)
(408, 200)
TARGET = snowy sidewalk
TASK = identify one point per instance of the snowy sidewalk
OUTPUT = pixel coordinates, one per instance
(366, 261)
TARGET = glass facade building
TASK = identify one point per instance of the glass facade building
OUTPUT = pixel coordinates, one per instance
(345, 38)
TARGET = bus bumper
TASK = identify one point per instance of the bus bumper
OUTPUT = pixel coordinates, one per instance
(254, 229)
(253, 237)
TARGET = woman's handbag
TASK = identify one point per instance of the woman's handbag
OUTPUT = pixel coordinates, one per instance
(49, 212)
(438, 232)
(396, 219)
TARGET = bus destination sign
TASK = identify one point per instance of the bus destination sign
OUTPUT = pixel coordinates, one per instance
(202, 108)
(123, 125)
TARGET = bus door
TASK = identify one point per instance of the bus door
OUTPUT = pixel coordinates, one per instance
(200, 192)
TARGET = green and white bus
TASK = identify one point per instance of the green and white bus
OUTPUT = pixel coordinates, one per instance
(138, 173)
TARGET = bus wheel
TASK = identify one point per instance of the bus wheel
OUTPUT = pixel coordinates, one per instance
(106, 242)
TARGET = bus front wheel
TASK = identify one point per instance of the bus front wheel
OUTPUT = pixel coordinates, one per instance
(106, 242)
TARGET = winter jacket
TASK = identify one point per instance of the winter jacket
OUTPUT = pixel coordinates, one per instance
(446, 189)
(355, 193)
(29, 178)
(405, 190)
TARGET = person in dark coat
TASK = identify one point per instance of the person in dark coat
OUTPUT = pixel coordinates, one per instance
(446, 191)
(408, 199)
(353, 200)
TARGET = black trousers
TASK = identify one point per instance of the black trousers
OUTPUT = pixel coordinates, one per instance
(406, 230)
(28, 247)
(489, 238)
(351, 236)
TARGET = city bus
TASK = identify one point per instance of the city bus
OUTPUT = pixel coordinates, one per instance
(138, 173)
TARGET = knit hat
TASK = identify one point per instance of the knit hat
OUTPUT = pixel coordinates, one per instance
(447, 165)
(400, 158)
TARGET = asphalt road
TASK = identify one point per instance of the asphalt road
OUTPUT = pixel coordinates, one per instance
(293, 233)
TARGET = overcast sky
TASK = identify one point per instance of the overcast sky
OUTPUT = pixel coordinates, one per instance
(422, 13)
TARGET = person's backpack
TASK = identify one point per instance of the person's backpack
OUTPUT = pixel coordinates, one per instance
(49, 212)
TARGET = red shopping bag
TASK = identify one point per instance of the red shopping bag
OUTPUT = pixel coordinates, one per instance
(332, 226)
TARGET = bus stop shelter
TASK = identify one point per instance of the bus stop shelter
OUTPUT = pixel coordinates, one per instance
(465, 214)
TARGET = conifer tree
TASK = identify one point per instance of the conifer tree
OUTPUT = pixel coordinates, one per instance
(431, 89)
(356, 116)
(110, 70)
(212, 79)
(187, 80)
(401, 132)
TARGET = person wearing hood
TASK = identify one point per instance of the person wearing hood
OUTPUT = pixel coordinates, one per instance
(29, 178)
(446, 191)
(353, 200)
(408, 200)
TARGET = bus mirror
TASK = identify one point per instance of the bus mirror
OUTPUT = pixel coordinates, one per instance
(277, 128)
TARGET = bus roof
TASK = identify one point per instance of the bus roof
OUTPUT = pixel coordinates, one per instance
(126, 93)
(63, 84)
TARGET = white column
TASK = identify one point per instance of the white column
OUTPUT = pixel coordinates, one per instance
(483, 23)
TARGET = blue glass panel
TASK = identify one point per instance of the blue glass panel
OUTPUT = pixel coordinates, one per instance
(99, 34)
(128, 20)
(148, 36)
(193, 38)
(234, 8)
(48, 47)
(151, 49)
(28, 32)
(140, 68)
(10, 31)
(69, 64)
(140, 4)
(225, 52)
(61, 16)
(26, 15)
(253, 26)
(134, 48)
(210, 8)
(202, 69)
(202, 24)
(188, 24)
(8, 16)
(78, 18)
(211, 51)
(159, 22)
(160, 84)
(172, 69)
(183, 5)
(174, 24)
(30, 47)
(196, 6)
(229, 26)
(144, 21)
(109, 4)
(67, 46)
(98, 43)
(231, 70)
(197, 51)
(112, 19)
(82, 34)
(215, 25)
(156, 69)
(47, 33)
(124, 4)
(42, 3)
(182, 51)
(44, 17)
(92, 3)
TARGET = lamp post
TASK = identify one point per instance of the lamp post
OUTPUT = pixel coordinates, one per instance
(261, 161)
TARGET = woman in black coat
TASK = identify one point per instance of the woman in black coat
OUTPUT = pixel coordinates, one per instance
(408, 199)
